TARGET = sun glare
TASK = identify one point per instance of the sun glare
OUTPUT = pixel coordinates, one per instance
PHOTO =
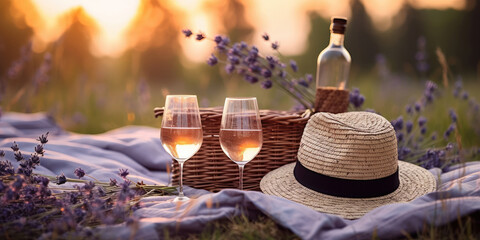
(111, 16)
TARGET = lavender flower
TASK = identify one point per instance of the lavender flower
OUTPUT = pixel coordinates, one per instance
(200, 36)
(465, 95)
(403, 152)
(266, 73)
(234, 59)
(6, 168)
(421, 121)
(113, 182)
(43, 139)
(266, 84)
(433, 137)
(225, 40)
(15, 147)
(89, 186)
(398, 123)
(42, 180)
(275, 45)
(417, 107)
(309, 78)
(61, 179)
(251, 79)
(187, 32)
(430, 88)
(409, 109)
(79, 172)
(453, 115)
(449, 147)
(265, 37)
(255, 69)
(243, 45)
(433, 159)
(399, 136)
(449, 130)
(236, 50)
(123, 172)
(39, 149)
(409, 126)
(18, 156)
(293, 65)
(35, 159)
(229, 68)
(212, 60)
(423, 130)
(421, 56)
(303, 82)
(218, 39)
(356, 99)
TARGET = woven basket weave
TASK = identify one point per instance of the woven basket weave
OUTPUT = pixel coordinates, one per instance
(212, 170)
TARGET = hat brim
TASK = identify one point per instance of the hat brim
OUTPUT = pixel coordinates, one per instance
(415, 181)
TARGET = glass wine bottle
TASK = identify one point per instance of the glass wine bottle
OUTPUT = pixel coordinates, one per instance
(333, 67)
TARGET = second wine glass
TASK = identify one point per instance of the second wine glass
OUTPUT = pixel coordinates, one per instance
(241, 131)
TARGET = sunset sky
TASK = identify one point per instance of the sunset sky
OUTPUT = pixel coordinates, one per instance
(285, 20)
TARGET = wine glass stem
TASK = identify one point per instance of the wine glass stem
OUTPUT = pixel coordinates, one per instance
(181, 179)
(240, 171)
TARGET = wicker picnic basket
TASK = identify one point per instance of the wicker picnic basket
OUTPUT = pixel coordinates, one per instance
(212, 170)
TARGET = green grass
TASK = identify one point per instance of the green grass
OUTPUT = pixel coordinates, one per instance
(240, 227)
(463, 228)
(263, 227)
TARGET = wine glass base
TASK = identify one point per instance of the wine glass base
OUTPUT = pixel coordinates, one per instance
(181, 199)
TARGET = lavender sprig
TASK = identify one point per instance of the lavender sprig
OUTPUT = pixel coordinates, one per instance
(30, 208)
(416, 146)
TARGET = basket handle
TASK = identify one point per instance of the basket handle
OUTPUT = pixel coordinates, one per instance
(158, 111)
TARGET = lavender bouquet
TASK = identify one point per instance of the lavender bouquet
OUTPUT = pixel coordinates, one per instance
(246, 61)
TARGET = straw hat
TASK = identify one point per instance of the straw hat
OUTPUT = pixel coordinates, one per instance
(348, 165)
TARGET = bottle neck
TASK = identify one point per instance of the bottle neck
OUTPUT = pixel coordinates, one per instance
(336, 39)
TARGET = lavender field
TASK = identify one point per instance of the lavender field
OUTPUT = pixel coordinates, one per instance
(92, 70)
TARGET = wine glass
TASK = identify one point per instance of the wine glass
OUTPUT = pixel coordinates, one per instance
(241, 131)
(181, 131)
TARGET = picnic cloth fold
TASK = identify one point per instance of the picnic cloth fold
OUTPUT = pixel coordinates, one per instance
(138, 149)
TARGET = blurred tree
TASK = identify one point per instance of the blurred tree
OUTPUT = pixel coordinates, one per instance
(360, 38)
(472, 33)
(72, 51)
(154, 37)
(232, 18)
(442, 29)
(399, 43)
(14, 33)
(318, 39)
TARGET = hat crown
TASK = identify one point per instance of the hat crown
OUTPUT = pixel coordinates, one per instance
(352, 145)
